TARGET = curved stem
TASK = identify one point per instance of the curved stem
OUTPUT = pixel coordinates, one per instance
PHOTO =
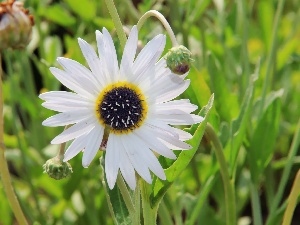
(5, 176)
(227, 182)
(292, 201)
(116, 19)
(164, 22)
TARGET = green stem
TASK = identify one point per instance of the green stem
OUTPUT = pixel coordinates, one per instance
(228, 184)
(270, 59)
(137, 205)
(132, 10)
(116, 19)
(5, 176)
(255, 203)
(164, 22)
(149, 213)
(205, 190)
(285, 175)
(164, 214)
(292, 201)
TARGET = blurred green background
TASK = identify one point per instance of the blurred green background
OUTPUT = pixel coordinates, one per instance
(246, 52)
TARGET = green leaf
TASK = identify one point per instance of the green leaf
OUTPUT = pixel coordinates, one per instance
(116, 204)
(264, 139)
(184, 158)
(226, 101)
(85, 9)
(239, 126)
(266, 22)
(57, 14)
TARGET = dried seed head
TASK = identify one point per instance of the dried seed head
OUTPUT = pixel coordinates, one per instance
(15, 25)
(178, 59)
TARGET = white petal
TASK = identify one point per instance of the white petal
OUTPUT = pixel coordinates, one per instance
(172, 107)
(167, 88)
(174, 143)
(127, 169)
(75, 131)
(66, 118)
(148, 158)
(110, 55)
(112, 160)
(180, 119)
(161, 69)
(133, 153)
(156, 145)
(163, 127)
(69, 81)
(66, 106)
(148, 57)
(183, 135)
(166, 137)
(61, 95)
(93, 61)
(77, 146)
(94, 141)
(81, 74)
(103, 57)
(129, 53)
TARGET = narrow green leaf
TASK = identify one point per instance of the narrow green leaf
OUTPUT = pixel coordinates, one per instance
(266, 22)
(116, 204)
(226, 101)
(264, 140)
(239, 126)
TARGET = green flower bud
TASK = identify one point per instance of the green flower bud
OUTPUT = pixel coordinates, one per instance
(57, 169)
(15, 25)
(178, 59)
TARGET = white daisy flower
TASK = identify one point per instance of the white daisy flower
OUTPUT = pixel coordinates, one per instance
(130, 106)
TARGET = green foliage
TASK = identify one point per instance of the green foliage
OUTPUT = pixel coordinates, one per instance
(252, 72)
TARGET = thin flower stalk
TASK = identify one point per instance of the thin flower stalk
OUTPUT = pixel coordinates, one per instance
(5, 175)
(164, 22)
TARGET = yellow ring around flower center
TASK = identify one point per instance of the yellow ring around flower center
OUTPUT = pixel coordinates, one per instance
(121, 107)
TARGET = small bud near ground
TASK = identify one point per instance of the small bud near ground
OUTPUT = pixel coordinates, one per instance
(15, 25)
(57, 169)
(178, 59)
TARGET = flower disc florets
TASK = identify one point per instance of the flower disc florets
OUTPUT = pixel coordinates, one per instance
(122, 107)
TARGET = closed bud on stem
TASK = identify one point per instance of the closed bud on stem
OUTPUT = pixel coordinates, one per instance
(15, 25)
(179, 59)
(57, 169)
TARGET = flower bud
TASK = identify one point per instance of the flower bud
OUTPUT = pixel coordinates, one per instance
(178, 59)
(57, 169)
(15, 25)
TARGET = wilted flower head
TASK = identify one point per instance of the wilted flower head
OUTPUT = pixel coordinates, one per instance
(15, 25)
(178, 59)
(132, 100)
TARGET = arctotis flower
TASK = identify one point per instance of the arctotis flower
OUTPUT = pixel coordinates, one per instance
(129, 107)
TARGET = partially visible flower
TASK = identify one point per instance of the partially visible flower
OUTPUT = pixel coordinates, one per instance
(131, 105)
(15, 25)
(179, 59)
(57, 169)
